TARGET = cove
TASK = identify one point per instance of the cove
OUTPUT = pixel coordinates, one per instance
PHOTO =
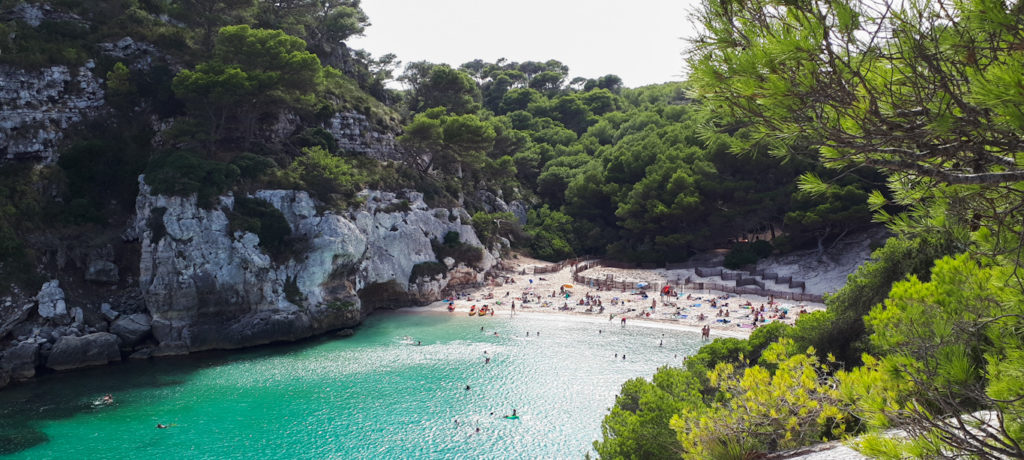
(372, 395)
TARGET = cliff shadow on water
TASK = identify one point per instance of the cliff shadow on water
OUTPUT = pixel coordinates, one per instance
(55, 396)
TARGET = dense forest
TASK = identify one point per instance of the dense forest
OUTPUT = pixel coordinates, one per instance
(926, 338)
(799, 123)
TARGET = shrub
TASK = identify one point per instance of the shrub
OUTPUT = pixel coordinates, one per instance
(267, 222)
(316, 137)
(460, 252)
(427, 270)
(182, 173)
(292, 292)
(489, 226)
(329, 177)
(398, 206)
(251, 166)
(747, 253)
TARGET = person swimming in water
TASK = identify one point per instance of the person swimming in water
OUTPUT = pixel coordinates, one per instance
(161, 425)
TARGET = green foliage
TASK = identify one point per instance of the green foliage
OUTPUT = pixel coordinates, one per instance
(316, 137)
(456, 143)
(551, 234)
(99, 172)
(20, 210)
(949, 346)
(764, 411)
(490, 226)
(251, 166)
(449, 88)
(292, 292)
(454, 247)
(840, 329)
(120, 88)
(330, 178)
(743, 254)
(183, 173)
(251, 72)
(53, 42)
(427, 270)
(267, 222)
(637, 427)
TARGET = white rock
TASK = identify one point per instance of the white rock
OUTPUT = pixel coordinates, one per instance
(51, 300)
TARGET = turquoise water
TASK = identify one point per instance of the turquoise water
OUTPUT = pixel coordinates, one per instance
(373, 395)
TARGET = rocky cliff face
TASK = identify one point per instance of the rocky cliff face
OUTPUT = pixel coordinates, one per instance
(39, 105)
(354, 134)
(207, 288)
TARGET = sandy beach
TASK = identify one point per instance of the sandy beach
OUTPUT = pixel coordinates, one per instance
(556, 294)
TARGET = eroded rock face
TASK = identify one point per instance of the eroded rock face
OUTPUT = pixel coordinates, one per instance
(399, 240)
(39, 105)
(51, 300)
(102, 271)
(132, 329)
(355, 135)
(20, 362)
(207, 289)
(87, 350)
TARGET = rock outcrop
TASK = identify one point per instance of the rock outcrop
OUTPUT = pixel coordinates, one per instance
(39, 105)
(131, 329)
(354, 134)
(206, 288)
(20, 362)
(87, 350)
(51, 300)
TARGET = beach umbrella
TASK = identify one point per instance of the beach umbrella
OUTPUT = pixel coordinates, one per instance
(641, 285)
(567, 286)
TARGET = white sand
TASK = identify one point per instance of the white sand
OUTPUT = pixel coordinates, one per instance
(667, 313)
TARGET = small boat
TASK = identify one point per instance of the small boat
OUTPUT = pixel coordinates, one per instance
(472, 310)
(483, 311)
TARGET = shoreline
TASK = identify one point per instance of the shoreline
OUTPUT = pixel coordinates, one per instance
(439, 308)
(681, 312)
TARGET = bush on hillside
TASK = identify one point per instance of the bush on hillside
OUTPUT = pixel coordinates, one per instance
(182, 173)
(743, 254)
(267, 222)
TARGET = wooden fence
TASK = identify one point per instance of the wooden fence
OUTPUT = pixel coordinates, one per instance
(795, 296)
(745, 282)
(559, 266)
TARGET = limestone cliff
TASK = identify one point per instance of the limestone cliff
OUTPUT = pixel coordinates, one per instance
(207, 288)
(39, 105)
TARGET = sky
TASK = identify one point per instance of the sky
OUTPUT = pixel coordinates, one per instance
(638, 40)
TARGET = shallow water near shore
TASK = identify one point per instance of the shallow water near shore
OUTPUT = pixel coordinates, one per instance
(373, 395)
